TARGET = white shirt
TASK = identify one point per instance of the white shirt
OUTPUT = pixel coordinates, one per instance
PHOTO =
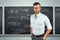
(38, 24)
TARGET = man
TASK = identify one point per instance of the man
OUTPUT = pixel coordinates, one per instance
(38, 22)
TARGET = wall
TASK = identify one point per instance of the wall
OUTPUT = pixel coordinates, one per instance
(28, 3)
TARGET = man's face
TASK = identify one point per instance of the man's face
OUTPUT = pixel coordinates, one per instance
(36, 8)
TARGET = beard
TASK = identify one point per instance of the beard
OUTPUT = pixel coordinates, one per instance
(37, 12)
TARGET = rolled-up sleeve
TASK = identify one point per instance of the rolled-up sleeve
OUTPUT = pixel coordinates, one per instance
(47, 23)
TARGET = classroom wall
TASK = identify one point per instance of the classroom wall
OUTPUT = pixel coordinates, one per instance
(28, 3)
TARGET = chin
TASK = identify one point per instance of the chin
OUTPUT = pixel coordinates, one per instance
(36, 12)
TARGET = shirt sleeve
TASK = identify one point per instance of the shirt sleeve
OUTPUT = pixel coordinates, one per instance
(47, 22)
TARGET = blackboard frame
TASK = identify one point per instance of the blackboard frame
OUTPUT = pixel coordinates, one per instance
(25, 6)
(1, 19)
(57, 34)
(21, 35)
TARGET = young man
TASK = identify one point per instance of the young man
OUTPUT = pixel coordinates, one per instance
(38, 22)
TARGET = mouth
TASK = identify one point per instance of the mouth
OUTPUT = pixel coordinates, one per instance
(37, 11)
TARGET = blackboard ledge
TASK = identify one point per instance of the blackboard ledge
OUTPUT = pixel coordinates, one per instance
(25, 35)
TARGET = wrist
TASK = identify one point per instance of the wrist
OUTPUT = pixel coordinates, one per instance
(31, 34)
(44, 38)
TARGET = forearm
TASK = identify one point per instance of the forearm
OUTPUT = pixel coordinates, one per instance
(47, 32)
(30, 30)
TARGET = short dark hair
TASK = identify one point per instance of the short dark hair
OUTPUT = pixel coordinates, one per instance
(36, 3)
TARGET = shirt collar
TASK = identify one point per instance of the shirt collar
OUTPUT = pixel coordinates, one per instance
(38, 14)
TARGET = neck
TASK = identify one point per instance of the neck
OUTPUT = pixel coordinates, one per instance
(36, 13)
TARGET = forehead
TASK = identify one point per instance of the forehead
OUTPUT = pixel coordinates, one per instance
(36, 5)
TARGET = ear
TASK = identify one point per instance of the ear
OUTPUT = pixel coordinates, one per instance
(32, 7)
(40, 8)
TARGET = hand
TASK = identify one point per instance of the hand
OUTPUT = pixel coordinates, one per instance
(30, 34)
(44, 38)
